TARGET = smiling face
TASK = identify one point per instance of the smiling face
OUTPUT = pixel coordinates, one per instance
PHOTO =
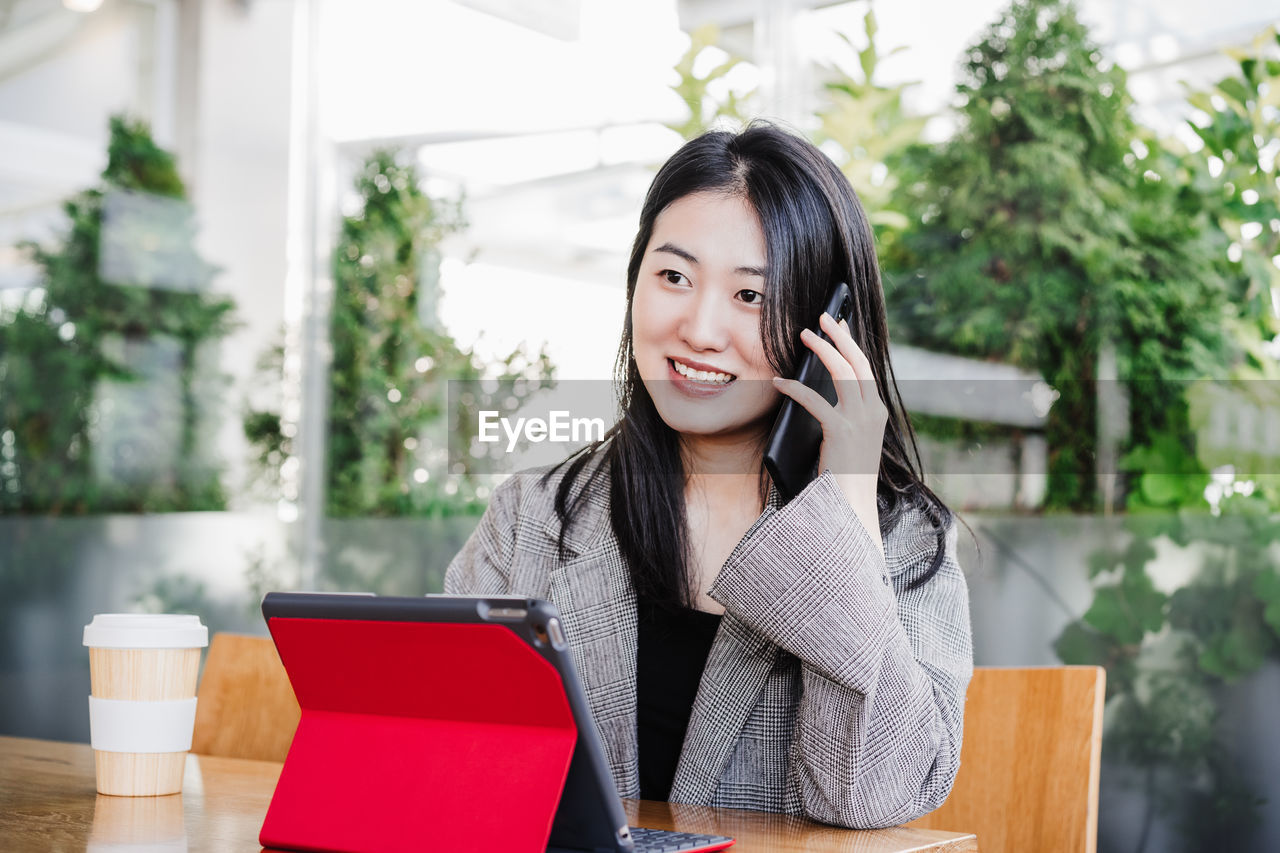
(696, 319)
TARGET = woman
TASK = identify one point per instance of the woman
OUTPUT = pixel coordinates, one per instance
(810, 657)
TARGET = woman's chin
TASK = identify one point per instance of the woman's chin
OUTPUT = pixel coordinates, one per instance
(711, 423)
(722, 416)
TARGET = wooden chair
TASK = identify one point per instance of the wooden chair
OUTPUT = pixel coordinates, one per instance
(246, 707)
(1028, 777)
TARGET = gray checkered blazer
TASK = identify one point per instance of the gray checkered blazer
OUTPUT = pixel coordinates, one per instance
(831, 690)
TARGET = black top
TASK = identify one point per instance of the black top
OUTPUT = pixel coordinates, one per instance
(671, 651)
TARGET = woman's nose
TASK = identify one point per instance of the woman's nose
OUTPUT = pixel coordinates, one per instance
(704, 326)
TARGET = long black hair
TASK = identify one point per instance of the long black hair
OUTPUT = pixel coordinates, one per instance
(816, 234)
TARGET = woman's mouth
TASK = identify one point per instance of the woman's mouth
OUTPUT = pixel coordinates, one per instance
(700, 382)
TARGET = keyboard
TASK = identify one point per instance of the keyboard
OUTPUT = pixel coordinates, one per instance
(664, 841)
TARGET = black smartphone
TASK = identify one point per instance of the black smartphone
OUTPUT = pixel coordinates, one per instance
(791, 452)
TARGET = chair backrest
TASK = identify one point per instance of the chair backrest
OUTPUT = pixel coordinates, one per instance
(246, 707)
(1029, 765)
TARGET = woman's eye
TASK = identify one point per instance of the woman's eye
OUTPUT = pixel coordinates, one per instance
(751, 297)
(673, 277)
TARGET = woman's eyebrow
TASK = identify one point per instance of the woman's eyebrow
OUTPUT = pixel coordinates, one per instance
(672, 249)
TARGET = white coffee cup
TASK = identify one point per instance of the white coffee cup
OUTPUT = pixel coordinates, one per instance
(142, 706)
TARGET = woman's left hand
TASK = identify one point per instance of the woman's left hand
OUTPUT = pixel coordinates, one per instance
(852, 429)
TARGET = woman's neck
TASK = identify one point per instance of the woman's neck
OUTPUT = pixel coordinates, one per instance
(724, 470)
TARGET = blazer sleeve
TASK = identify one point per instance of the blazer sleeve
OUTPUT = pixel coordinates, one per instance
(876, 741)
(483, 566)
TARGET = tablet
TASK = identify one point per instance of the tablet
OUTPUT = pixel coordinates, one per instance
(441, 723)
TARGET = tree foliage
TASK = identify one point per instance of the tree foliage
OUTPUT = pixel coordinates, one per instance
(403, 395)
(707, 107)
(1237, 172)
(1049, 226)
(863, 124)
(1168, 657)
(126, 282)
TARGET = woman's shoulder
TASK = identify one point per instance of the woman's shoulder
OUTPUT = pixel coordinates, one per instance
(531, 492)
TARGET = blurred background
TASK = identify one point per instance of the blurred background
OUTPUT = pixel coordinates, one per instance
(262, 260)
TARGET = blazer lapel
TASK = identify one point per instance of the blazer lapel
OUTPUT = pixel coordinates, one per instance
(735, 674)
(737, 668)
(592, 590)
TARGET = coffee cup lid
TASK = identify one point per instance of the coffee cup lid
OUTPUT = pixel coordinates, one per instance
(145, 631)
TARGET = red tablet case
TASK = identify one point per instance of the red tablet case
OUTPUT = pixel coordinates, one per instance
(434, 737)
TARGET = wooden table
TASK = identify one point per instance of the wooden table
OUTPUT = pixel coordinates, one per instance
(48, 802)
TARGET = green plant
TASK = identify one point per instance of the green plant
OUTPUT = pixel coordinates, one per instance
(1038, 235)
(1239, 175)
(1168, 655)
(1166, 474)
(402, 393)
(126, 284)
(706, 108)
(864, 125)
(265, 431)
(861, 124)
